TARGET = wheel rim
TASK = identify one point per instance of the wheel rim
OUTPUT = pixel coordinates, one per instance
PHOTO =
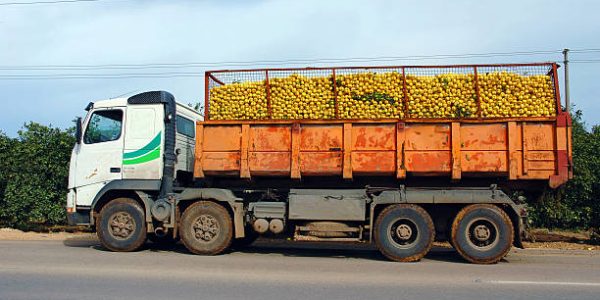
(482, 234)
(206, 228)
(122, 225)
(403, 233)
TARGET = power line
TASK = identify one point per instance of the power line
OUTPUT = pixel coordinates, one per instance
(45, 2)
(98, 76)
(175, 74)
(584, 50)
(585, 60)
(270, 62)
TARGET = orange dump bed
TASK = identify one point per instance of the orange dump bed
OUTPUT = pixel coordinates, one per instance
(513, 148)
(499, 138)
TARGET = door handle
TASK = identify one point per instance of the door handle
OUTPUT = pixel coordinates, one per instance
(115, 170)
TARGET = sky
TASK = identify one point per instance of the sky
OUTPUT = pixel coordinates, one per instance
(125, 32)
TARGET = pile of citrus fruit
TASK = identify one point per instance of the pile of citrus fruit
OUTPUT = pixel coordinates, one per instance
(511, 95)
(372, 95)
(301, 97)
(239, 101)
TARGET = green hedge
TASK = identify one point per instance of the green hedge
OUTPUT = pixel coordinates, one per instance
(577, 204)
(34, 168)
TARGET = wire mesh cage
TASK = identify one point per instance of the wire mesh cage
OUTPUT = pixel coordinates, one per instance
(517, 91)
(302, 94)
(444, 92)
(370, 93)
(403, 92)
(237, 95)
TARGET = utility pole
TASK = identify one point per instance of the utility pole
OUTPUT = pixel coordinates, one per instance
(566, 62)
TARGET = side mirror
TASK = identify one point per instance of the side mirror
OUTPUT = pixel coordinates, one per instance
(78, 130)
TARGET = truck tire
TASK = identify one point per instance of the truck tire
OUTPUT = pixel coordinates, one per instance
(121, 225)
(404, 232)
(206, 228)
(482, 233)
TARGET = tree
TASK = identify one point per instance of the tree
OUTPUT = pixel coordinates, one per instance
(6, 149)
(34, 176)
(576, 205)
(197, 106)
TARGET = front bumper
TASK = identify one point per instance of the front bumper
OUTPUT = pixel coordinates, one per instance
(79, 217)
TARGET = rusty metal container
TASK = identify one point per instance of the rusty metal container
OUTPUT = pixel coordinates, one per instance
(511, 148)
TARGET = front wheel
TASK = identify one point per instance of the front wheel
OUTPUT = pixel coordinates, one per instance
(404, 232)
(121, 225)
(482, 233)
(206, 228)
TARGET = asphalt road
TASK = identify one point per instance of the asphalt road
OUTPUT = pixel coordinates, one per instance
(80, 269)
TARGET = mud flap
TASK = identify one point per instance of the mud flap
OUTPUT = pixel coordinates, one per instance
(521, 227)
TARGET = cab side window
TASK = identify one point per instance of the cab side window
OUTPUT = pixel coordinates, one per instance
(185, 126)
(104, 126)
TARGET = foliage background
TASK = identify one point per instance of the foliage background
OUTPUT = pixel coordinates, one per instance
(34, 169)
(576, 205)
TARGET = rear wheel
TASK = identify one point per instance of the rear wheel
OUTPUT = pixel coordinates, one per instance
(121, 225)
(206, 228)
(482, 233)
(404, 232)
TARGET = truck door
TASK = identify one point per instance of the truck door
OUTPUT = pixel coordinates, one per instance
(100, 155)
(143, 151)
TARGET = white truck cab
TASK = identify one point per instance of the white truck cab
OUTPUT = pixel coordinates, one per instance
(121, 142)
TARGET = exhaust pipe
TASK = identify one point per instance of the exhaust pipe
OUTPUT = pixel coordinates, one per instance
(160, 232)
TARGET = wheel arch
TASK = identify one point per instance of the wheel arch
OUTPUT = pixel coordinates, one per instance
(519, 226)
(128, 188)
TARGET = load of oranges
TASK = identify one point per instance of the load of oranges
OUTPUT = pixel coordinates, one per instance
(381, 95)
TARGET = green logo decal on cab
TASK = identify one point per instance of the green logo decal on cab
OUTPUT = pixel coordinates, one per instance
(145, 154)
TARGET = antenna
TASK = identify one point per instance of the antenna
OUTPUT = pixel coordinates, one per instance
(127, 93)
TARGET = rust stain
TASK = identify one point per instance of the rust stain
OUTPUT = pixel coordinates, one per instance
(269, 163)
(484, 161)
(361, 140)
(222, 138)
(373, 162)
(323, 163)
(428, 161)
(374, 137)
(493, 139)
(225, 161)
(319, 138)
(94, 173)
(270, 138)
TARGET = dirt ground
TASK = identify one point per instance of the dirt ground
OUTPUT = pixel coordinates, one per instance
(9, 234)
(544, 239)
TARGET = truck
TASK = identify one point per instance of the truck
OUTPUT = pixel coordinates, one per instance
(147, 167)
